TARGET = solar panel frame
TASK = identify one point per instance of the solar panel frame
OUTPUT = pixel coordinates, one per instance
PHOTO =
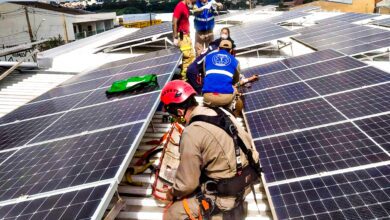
(81, 203)
(382, 22)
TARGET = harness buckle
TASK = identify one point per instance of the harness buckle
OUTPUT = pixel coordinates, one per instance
(211, 187)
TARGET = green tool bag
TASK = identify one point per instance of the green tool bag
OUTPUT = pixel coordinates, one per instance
(133, 83)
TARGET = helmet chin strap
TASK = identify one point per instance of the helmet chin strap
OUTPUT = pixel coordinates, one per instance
(182, 118)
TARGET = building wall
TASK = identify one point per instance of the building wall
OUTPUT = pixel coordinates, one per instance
(44, 23)
(361, 6)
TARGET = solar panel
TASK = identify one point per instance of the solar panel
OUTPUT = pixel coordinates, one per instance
(328, 122)
(79, 204)
(256, 33)
(100, 116)
(19, 133)
(44, 107)
(378, 128)
(99, 95)
(271, 80)
(374, 99)
(382, 22)
(348, 80)
(291, 117)
(316, 151)
(285, 16)
(277, 96)
(142, 34)
(66, 163)
(348, 38)
(79, 139)
(306, 8)
(327, 67)
(352, 195)
(349, 17)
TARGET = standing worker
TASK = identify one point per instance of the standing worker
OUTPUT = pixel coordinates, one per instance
(218, 163)
(181, 33)
(204, 23)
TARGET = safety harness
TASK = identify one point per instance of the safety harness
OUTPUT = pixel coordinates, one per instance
(235, 186)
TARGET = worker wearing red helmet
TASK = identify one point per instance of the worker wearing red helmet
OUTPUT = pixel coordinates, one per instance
(216, 168)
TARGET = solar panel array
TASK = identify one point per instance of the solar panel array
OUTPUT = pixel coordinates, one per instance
(285, 16)
(383, 22)
(62, 155)
(256, 33)
(144, 33)
(345, 37)
(321, 123)
(348, 17)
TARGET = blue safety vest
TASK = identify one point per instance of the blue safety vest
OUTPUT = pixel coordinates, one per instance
(220, 67)
(204, 21)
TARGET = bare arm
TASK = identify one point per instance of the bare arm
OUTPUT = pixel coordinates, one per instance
(174, 27)
(236, 76)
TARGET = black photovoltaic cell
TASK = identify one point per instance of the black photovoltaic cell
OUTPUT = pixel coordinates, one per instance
(383, 22)
(100, 96)
(264, 69)
(66, 163)
(290, 117)
(327, 67)
(318, 150)
(44, 107)
(158, 70)
(71, 89)
(363, 102)
(271, 80)
(362, 194)
(378, 128)
(144, 33)
(311, 58)
(276, 96)
(18, 134)
(79, 204)
(100, 116)
(348, 80)
(5, 155)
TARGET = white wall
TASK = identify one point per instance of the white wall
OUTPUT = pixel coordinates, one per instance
(44, 23)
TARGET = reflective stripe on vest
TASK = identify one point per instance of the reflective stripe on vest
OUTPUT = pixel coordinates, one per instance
(223, 72)
(204, 19)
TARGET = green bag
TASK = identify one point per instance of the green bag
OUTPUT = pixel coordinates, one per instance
(133, 83)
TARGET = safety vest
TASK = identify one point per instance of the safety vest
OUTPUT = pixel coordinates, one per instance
(220, 67)
(204, 21)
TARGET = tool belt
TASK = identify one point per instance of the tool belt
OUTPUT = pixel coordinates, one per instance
(234, 186)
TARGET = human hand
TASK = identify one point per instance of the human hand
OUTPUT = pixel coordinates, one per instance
(170, 194)
(175, 41)
(253, 78)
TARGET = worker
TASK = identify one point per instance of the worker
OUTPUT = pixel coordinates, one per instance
(218, 163)
(224, 35)
(222, 72)
(181, 33)
(204, 23)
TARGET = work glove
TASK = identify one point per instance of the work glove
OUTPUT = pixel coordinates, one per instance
(175, 41)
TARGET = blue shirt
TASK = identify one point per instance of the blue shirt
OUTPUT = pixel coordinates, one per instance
(220, 67)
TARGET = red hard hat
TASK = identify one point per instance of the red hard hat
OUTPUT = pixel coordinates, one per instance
(176, 91)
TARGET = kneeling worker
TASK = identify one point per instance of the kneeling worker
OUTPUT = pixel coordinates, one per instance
(222, 72)
(218, 164)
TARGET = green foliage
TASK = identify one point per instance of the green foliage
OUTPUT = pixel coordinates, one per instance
(51, 43)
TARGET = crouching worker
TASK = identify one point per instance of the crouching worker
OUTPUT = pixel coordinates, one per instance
(218, 164)
(222, 71)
